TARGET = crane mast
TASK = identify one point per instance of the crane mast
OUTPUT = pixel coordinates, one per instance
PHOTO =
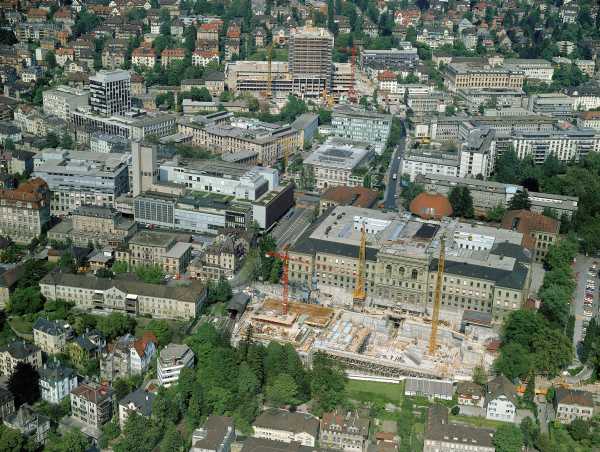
(437, 301)
(360, 294)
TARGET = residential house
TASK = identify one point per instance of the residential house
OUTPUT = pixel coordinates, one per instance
(56, 381)
(139, 402)
(143, 57)
(470, 394)
(169, 56)
(8, 280)
(86, 347)
(16, 352)
(216, 435)
(501, 400)
(344, 430)
(204, 57)
(172, 359)
(287, 427)
(51, 335)
(92, 404)
(7, 403)
(571, 404)
(29, 423)
(128, 356)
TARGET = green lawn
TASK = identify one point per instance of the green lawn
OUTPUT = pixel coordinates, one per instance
(476, 421)
(21, 326)
(367, 391)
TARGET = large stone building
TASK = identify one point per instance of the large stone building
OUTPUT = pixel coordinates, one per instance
(539, 232)
(287, 427)
(566, 145)
(347, 431)
(486, 268)
(474, 74)
(50, 335)
(25, 211)
(16, 352)
(92, 404)
(110, 92)
(359, 125)
(63, 100)
(125, 295)
(102, 226)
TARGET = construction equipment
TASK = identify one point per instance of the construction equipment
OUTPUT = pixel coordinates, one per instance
(328, 99)
(285, 259)
(437, 301)
(360, 295)
(269, 73)
(352, 96)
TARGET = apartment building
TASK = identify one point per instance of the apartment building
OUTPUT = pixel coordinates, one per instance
(287, 427)
(79, 178)
(335, 163)
(50, 335)
(488, 195)
(125, 295)
(110, 92)
(62, 100)
(16, 352)
(344, 430)
(566, 145)
(477, 154)
(172, 359)
(56, 382)
(92, 404)
(128, 356)
(169, 56)
(29, 423)
(501, 400)
(461, 75)
(156, 249)
(443, 436)
(25, 211)
(219, 260)
(356, 124)
(7, 403)
(137, 402)
(271, 142)
(144, 57)
(571, 404)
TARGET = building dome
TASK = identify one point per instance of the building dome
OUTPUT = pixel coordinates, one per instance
(431, 206)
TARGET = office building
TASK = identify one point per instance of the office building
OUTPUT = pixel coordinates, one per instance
(133, 126)
(63, 100)
(25, 211)
(56, 382)
(566, 145)
(551, 104)
(405, 56)
(477, 154)
(474, 74)
(172, 359)
(144, 168)
(534, 69)
(310, 54)
(335, 163)
(427, 161)
(126, 295)
(356, 124)
(500, 98)
(104, 142)
(78, 178)
(110, 92)
(589, 120)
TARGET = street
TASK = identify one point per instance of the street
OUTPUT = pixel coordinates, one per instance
(389, 198)
(582, 275)
(290, 228)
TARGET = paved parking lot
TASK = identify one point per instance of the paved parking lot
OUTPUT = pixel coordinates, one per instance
(587, 287)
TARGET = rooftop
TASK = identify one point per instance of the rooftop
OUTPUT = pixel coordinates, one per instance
(338, 154)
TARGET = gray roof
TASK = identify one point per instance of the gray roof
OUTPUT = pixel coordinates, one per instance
(439, 429)
(19, 349)
(427, 387)
(52, 327)
(286, 421)
(501, 386)
(514, 279)
(54, 371)
(142, 401)
(266, 445)
(215, 430)
(574, 397)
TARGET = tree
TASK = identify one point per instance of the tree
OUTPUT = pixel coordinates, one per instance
(24, 384)
(219, 292)
(508, 438)
(164, 408)
(25, 301)
(462, 202)
(11, 440)
(71, 441)
(9, 144)
(520, 201)
(172, 440)
(410, 192)
(139, 435)
(496, 213)
(120, 267)
(52, 140)
(513, 362)
(530, 431)
(66, 141)
(115, 324)
(292, 109)
(151, 274)
(480, 376)
(161, 330)
(327, 383)
(67, 262)
(282, 391)
(50, 59)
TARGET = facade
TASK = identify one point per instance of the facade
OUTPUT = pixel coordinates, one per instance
(216, 435)
(156, 249)
(565, 145)
(500, 400)
(358, 125)
(222, 259)
(443, 436)
(477, 154)
(432, 389)
(63, 100)
(405, 56)
(50, 335)
(128, 356)
(470, 394)
(310, 54)
(335, 163)
(347, 431)
(78, 178)
(25, 211)
(424, 162)
(102, 226)
(7, 403)
(17, 352)
(475, 75)
(92, 404)
(287, 427)
(133, 126)
(103, 142)
(551, 104)
(110, 92)
(29, 423)
(123, 295)
(171, 360)
(539, 232)
(138, 402)
(56, 382)
(540, 70)
(571, 404)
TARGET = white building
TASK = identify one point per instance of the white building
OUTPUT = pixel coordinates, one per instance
(62, 100)
(540, 70)
(424, 162)
(477, 154)
(56, 382)
(287, 427)
(500, 400)
(139, 402)
(110, 92)
(171, 360)
(565, 145)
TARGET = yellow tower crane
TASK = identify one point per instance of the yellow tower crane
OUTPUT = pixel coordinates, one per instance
(269, 74)
(437, 301)
(360, 293)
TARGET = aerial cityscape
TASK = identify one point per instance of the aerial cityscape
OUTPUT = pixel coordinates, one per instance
(299, 226)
